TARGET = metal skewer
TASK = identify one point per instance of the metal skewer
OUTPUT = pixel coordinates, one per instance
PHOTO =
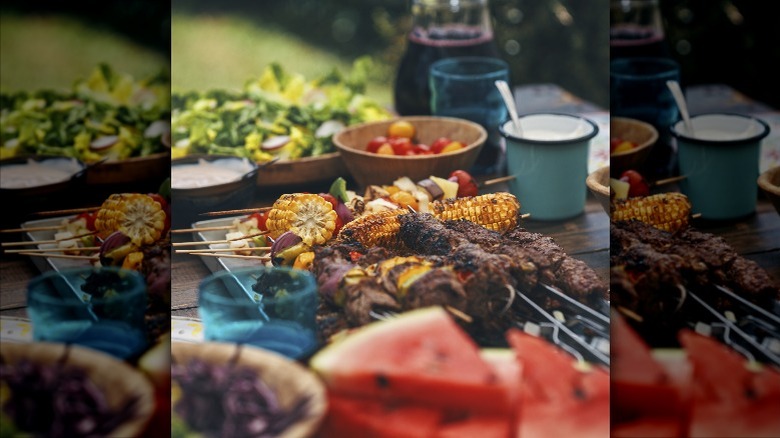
(747, 303)
(575, 303)
(560, 327)
(731, 327)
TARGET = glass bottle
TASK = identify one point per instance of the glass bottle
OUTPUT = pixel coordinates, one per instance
(440, 29)
(636, 29)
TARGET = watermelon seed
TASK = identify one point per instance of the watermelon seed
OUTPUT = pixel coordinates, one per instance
(382, 381)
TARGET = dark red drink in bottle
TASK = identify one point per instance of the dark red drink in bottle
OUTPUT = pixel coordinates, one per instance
(441, 29)
(636, 30)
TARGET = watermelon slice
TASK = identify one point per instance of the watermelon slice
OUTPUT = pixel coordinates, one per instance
(363, 418)
(729, 399)
(558, 399)
(482, 426)
(421, 356)
(641, 388)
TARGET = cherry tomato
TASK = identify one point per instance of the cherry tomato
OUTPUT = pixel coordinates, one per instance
(330, 198)
(401, 128)
(401, 145)
(466, 184)
(440, 144)
(375, 143)
(385, 149)
(261, 220)
(89, 218)
(421, 149)
(637, 185)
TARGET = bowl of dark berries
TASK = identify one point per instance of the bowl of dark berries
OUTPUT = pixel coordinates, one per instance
(221, 389)
(56, 390)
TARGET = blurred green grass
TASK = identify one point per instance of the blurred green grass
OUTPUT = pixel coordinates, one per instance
(223, 52)
(51, 52)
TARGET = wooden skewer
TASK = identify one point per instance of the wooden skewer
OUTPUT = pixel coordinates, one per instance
(192, 230)
(23, 230)
(59, 256)
(39, 242)
(194, 251)
(490, 182)
(673, 179)
(68, 211)
(695, 215)
(78, 249)
(245, 210)
(210, 242)
(233, 256)
(525, 216)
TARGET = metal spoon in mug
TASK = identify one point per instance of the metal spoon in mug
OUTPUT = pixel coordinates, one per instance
(509, 101)
(679, 98)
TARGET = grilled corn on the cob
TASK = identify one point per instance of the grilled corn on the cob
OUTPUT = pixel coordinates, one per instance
(666, 211)
(138, 216)
(308, 215)
(374, 229)
(495, 211)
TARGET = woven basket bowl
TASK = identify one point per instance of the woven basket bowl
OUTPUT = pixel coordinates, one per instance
(644, 135)
(369, 168)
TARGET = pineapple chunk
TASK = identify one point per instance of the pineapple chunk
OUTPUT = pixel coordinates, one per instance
(619, 188)
(450, 188)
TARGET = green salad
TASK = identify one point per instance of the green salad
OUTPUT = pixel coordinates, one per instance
(108, 115)
(280, 114)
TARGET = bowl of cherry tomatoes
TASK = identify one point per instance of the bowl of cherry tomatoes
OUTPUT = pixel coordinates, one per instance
(415, 146)
(630, 143)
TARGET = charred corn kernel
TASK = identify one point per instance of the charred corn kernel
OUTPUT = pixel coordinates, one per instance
(666, 211)
(307, 215)
(304, 260)
(137, 216)
(494, 211)
(375, 229)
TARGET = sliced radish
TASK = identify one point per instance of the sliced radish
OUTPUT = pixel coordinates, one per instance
(329, 128)
(104, 142)
(275, 143)
(157, 128)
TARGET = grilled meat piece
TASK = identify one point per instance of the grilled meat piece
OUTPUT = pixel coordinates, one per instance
(572, 276)
(437, 287)
(475, 233)
(366, 298)
(580, 281)
(424, 234)
(701, 260)
(747, 276)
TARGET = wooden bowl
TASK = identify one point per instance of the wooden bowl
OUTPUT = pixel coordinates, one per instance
(155, 167)
(769, 181)
(117, 380)
(643, 134)
(289, 380)
(369, 168)
(598, 183)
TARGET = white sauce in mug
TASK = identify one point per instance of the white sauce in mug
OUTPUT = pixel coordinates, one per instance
(35, 174)
(205, 174)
